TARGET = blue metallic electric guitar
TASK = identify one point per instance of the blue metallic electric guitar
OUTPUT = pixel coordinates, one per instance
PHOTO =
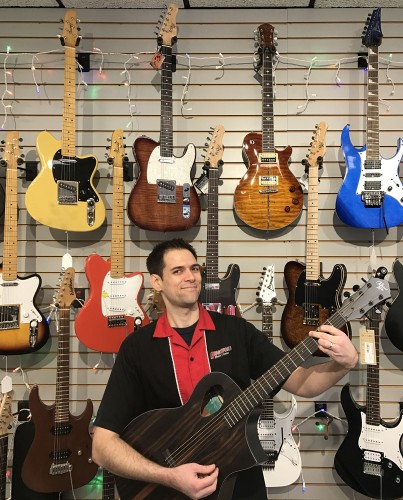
(371, 195)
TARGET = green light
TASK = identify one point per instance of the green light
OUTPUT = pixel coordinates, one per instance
(320, 427)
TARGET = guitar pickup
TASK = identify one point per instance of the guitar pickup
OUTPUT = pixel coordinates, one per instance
(267, 157)
(166, 191)
(67, 192)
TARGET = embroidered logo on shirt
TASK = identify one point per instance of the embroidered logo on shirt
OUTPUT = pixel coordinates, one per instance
(220, 353)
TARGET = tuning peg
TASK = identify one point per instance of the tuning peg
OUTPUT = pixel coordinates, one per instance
(3, 162)
(346, 294)
(109, 160)
(364, 280)
(356, 287)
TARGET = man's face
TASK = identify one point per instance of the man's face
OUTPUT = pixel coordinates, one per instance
(181, 279)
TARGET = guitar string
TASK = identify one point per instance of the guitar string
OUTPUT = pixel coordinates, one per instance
(294, 357)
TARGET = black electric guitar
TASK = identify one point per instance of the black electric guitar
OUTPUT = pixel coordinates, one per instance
(59, 458)
(216, 294)
(229, 437)
(63, 196)
(108, 485)
(311, 297)
(394, 316)
(163, 198)
(6, 417)
(370, 459)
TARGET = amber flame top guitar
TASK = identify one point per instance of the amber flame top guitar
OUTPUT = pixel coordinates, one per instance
(311, 297)
(23, 328)
(268, 196)
(6, 419)
(59, 458)
(283, 466)
(112, 310)
(370, 459)
(63, 196)
(228, 437)
(216, 294)
(371, 195)
(163, 198)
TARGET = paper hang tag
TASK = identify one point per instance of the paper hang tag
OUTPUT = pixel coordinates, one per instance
(6, 384)
(373, 258)
(367, 347)
(67, 261)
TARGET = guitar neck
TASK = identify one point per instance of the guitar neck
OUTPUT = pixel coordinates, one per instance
(312, 254)
(118, 243)
(267, 329)
(267, 103)
(373, 416)
(63, 367)
(212, 228)
(3, 465)
(10, 221)
(373, 105)
(108, 485)
(166, 139)
(69, 108)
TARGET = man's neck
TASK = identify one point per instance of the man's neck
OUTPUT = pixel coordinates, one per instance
(181, 317)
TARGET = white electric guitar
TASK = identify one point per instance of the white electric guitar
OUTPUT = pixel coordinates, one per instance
(283, 466)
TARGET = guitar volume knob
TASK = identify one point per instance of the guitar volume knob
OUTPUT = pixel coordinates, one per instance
(287, 209)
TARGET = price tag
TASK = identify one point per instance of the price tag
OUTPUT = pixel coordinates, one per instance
(67, 261)
(367, 347)
(6, 384)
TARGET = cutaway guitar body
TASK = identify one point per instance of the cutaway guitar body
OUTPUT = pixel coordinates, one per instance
(163, 198)
(268, 197)
(223, 298)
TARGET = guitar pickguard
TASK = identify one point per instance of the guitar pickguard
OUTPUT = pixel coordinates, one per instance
(74, 171)
(171, 169)
(117, 296)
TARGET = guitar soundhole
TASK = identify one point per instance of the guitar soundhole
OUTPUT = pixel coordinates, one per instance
(212, 401)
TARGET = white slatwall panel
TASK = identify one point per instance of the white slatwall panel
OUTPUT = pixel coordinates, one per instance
(232, 96)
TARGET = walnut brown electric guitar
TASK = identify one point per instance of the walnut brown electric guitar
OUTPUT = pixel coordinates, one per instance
(63, 196)
(59, 458)
(23, 328)
(216, 294)
(163, 198)
(311, 297)
(268, 197)
(228, 437)
(112, 310)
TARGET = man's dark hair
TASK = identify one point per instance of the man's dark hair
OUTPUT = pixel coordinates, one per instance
(155, 261)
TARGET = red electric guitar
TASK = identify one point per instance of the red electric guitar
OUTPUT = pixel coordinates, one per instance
(112, 310)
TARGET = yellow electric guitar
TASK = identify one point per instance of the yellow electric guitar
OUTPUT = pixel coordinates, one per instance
(62, 196)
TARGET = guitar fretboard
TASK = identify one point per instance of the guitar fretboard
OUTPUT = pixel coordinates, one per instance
(312, 252)
(373, 106)
(267, 329)
(63, 367)
(166, 139)
(69, 104)
(267, 103)
(117, 243)
(212, 232)
(373, 415)
(3, 465)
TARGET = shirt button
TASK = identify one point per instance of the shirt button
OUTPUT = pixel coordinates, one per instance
(192, 358)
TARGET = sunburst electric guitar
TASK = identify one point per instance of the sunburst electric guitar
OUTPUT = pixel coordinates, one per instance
(217, 294)
(371, 195)
(59, 458)
(268, 196)
(283, 466)
(112, 310)
(370, 459)
(163, 198)
(63, 196)
(229, 437)
(23, 328)
(6, 418)
(311, 297)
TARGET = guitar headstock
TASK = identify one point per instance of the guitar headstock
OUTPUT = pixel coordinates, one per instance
(266, 292)
(168, 31)
(6, 416)
(318, 146)
(372, 33)
(12, 155)
(215, 150)
(69, 37)
(267, 37)
(117, 154)
(66, 294)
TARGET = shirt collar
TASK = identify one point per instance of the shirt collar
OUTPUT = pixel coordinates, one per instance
(164, 329)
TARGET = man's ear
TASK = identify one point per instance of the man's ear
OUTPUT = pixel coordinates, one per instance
(155, 281)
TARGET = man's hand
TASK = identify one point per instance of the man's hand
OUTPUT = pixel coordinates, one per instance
(194, 480)
(336, 345)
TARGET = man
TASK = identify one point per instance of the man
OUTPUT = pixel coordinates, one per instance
(158, 367)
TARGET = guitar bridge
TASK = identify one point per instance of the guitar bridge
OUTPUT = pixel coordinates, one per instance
(9, 317)
(67, 192)
(114, 321)
(166, 191)
(57, 469)
(311, 314)
(372, 199)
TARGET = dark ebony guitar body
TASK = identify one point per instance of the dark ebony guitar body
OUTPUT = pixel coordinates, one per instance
(310, 302)
(225, 291)
(394, 316)
(170, 438)
(349, 460)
